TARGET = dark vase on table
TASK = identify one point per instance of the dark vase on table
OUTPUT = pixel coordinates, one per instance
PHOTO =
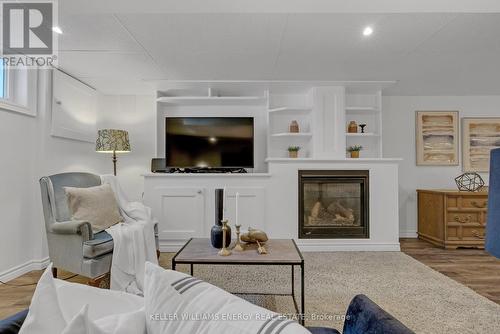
(216, 231)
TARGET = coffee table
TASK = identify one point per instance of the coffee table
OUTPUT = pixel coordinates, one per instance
(281, 252)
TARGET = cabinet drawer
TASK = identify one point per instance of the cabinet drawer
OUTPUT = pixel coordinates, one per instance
(464, 217)
(474, 202)
(471, 233)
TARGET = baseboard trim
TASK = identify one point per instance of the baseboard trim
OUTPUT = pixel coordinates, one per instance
(408, 234)
(24, 268)
(347, 247)
(172, 246)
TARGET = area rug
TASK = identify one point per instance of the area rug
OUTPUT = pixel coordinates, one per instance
(420, 297)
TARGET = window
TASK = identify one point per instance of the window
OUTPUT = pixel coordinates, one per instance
(18, 88)
(2, 80)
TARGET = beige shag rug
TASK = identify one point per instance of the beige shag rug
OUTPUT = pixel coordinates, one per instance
(420, 297)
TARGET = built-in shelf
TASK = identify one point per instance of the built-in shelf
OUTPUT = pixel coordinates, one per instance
(207, 175)
(291, 134)
(367, 134)
(290, 110)
(362, 109)
(211, 100)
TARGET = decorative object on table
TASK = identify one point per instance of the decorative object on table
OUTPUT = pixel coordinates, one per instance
(261, 249)
(293, 151)
(362, 126)
(352, 127)
(437, 138)
(479, 137)
(254, 235)
(469, 181)
(294, 127)
(354, 150)
(216, 231)
(112, 141)
(238, 246)
(224, 251)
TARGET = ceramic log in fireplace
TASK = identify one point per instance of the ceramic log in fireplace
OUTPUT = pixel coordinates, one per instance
(333, 204)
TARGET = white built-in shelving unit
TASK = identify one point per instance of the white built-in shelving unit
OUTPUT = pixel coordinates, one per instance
(323, 111)
(365, 107)
(207, 97)
(282, 110)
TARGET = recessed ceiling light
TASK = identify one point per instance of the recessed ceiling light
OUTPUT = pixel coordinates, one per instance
(367, 31)
(57, 30)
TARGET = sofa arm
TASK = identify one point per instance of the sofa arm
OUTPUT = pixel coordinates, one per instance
(73, 227)
(364, 316)
(12, 324)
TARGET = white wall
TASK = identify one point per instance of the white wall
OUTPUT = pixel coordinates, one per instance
(18, 232)
(399, 141)
(137, 115)
(28, 153)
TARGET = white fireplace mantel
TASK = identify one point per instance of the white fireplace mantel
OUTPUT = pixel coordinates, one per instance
(184, 203)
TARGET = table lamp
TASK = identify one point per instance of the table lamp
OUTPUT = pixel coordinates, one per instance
(112, 141)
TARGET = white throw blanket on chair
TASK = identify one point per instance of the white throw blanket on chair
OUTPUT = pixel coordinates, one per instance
(134, 242)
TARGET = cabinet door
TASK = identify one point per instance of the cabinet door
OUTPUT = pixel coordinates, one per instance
(251, 207)
(181, 212)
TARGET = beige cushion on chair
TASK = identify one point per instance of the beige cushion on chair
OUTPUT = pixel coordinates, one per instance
(97, 205)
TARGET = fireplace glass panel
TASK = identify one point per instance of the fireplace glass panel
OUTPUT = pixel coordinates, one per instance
(332, 204)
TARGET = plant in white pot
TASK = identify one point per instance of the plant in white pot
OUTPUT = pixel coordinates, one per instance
(354, 150)
(293, 151)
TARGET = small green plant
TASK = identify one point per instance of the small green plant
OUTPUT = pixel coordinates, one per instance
(354, 148)
(293, 148)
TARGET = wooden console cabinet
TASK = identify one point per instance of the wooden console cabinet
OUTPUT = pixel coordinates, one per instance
(452, 219)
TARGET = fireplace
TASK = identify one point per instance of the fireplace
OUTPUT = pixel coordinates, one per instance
(333, 204)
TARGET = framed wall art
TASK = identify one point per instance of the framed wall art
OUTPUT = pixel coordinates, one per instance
(479, 137)
(437, 138)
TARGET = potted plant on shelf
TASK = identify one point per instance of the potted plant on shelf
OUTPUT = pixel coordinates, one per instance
(293, 151)
(354, 150)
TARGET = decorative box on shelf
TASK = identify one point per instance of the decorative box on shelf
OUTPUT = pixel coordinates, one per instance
(452, 218)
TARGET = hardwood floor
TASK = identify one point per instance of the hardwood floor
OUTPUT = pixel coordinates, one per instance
(17, 298)
(471, 267)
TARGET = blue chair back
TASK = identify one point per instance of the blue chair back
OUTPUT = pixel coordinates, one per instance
(492, 244)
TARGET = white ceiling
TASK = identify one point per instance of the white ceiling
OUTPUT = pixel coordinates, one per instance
(426, 53)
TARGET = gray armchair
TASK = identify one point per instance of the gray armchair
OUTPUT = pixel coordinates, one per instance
(72, 245)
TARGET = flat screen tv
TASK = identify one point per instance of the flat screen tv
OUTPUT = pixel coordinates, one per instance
(209, 142)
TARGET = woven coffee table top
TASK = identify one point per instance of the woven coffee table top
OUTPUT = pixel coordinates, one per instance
(279, 251)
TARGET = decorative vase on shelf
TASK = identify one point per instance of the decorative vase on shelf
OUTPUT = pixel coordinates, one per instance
(293, 154)
(354, 154)
(216, 231)
(362, 126)
(353, 127)
(294, 127)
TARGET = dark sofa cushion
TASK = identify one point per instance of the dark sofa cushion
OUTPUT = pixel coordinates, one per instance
(12, 324)
(365, 317)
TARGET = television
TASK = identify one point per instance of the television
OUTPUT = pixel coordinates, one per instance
(209, 142)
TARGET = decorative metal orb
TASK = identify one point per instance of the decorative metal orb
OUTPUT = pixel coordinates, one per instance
(469, 182)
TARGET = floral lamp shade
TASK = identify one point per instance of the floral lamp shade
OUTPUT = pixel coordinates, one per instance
(111, 140)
